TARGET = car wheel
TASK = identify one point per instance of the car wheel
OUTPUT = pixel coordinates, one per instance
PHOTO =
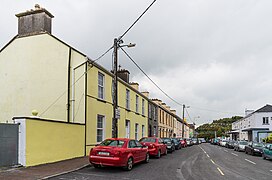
(129, 165)
(159, 154)
(96, 166)
(147, 158)
(246, 152)
(264, 156)
(166, 152)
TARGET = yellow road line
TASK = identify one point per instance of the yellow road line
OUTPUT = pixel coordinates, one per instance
(212, 161)
(221, 172)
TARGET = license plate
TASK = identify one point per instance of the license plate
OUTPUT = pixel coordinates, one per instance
(104, 153)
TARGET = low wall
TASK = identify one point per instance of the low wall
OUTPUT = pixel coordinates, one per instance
(44, 141)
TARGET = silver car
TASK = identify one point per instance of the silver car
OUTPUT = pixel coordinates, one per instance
(240, 145)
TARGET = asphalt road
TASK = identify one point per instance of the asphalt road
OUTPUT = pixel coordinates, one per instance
(203, 161)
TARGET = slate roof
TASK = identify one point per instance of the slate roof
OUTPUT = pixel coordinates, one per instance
(266, 108)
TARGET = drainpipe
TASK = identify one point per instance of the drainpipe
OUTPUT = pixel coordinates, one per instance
(69, 84)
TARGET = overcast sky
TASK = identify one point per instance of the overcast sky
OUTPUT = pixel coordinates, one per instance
(212, 55)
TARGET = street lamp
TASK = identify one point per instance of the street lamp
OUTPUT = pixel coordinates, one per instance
(116, 44)
(183, 108)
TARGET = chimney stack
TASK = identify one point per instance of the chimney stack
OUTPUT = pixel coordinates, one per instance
(34, 21)
(124, 75)
(135, 85)
(146, 94)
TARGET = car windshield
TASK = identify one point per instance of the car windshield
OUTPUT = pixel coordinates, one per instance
(116, 143)
(148, 140)
(257, 145)
(243, 143)
(166, 140)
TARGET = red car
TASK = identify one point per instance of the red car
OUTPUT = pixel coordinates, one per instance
(155, 145)
(183, 142)
(120, 152)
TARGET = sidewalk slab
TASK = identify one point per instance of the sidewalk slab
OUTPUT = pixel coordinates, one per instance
(45, 170)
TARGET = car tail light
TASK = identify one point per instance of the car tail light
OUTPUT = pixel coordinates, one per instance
(116, 153)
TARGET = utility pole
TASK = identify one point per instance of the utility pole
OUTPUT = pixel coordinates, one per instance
(115, 93)
(183, 107)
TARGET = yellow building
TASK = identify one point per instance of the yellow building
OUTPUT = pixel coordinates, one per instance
(41, 72)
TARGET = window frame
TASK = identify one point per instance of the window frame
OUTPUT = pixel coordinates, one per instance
(102, 93)
(127, 99)
(136, 131)
(137, 104)
(99, 128)
(143, 107)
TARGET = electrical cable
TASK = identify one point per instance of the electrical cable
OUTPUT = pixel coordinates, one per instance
(136, 21)
(149, 77)
(64, 93)
(102, 54)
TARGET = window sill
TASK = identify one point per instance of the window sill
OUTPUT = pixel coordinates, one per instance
(143, 115)
(128, 110)
(102, 100)
(137, 113)
(265, 124)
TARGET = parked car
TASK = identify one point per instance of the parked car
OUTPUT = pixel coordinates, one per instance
(267, 151)
(189, 142)
(155, 145)
(202, 140)
(195, 141)
(170, 145)
(254, 148)
(223, 142)
(120, 152)
(240, 145)
(230, 144)
(177, 143)
(184, 142)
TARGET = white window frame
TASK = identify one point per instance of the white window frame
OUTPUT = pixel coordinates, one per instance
(127, 128)
(127, 99)
(101, 86)
(99, 128)
(137, 104)
(143, 107)
(136, 131)
(143, 130)
(265, 120)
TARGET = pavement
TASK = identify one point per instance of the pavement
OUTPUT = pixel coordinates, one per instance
(44, 171)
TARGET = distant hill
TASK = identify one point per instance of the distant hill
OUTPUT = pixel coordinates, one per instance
(221, 126)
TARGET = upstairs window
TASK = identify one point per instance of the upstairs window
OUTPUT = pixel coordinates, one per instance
(137, 104)
(101, 86)
(265, 120)
(127, 99)
(143, 107)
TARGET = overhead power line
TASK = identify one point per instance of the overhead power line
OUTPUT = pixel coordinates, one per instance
(150, 78)
(136, 21)
(216, 111)
(103, 54)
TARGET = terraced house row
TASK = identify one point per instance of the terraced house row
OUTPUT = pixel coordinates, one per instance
(61, 101)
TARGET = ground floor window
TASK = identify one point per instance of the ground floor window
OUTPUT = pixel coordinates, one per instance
(127, 129)
(136, 131)
(143, 131)
(100, 128)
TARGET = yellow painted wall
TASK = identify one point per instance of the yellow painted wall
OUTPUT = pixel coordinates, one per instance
(105, 108)
(52, 141)
(33, 74)
(34, 70)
